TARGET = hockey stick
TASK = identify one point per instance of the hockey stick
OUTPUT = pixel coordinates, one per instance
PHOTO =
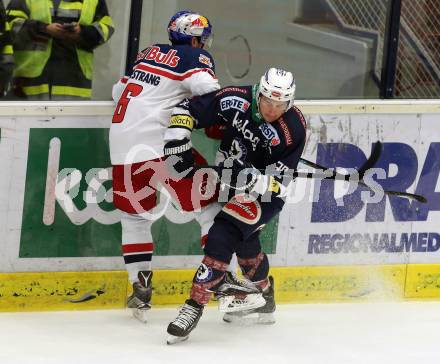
(374, 157)
(371, 161)
(411, 196)
(375, 154)
(334, 176)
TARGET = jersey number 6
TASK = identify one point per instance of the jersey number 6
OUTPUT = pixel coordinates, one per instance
(130, 91)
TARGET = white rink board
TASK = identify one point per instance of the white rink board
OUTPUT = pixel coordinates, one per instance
(413, 133)
(14, 144)
(357, 124)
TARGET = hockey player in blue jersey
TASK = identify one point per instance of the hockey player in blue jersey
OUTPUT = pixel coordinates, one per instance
(162, 76)
(263, 130)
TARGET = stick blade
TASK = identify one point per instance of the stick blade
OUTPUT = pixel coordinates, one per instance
(411, 196)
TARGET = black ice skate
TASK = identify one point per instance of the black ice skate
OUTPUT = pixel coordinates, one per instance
(140, 299)
(238, 294)
(261, 315)
(186, 321)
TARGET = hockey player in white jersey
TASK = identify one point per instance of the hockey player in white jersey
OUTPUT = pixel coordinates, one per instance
(162, 76)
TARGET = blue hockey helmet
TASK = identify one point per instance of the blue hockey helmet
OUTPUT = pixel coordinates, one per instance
(187, 24)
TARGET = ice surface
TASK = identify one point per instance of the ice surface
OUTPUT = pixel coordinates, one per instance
(329, 333)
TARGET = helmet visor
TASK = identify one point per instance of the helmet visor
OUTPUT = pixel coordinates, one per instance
(207, 41)
(275, 104)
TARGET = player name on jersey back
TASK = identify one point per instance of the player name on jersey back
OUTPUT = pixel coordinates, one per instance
(145, 77)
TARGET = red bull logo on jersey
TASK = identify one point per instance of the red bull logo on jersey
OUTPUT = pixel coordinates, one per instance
(205, 60)
(154, 54)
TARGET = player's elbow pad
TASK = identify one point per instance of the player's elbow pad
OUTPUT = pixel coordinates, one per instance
(182, 121)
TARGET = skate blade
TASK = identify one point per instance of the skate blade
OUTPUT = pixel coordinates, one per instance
(171, 340)
(250, 319)
(141, 315)
(229, 303)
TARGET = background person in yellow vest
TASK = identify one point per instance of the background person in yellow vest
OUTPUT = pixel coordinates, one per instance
(6, 55)
(53, 46)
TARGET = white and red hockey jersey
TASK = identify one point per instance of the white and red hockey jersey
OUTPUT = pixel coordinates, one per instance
(162, 76)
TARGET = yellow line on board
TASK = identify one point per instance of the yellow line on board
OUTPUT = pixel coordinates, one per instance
(109, 289)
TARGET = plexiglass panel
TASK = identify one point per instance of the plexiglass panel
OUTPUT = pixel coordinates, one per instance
(333, 47)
